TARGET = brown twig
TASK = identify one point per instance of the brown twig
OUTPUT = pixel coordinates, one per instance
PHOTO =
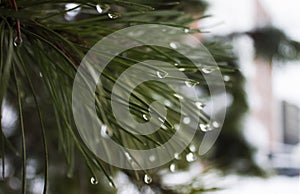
(15, 7)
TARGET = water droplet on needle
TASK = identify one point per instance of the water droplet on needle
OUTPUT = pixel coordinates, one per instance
(147, 179)
(94, 181)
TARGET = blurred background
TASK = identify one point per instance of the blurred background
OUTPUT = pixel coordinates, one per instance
(272, 85)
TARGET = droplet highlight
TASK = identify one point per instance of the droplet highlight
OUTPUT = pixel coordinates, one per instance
(177, 156)
(215, 124)
(17, 42)
(113, 15)
(172, 167)
(207, 70)
(145, 117)
(190, 157)
(94, 181)
(178, 96)
(147, 179)
(186, 30)
(204, 127)
(152, 158)
(173, 45)
(161, 74)
(105, 132)
(200, 105)
(191, 83)
(192, 148)
(186, 120)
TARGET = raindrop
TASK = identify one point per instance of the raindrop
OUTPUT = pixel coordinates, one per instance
(191, 83)
(152, 158)
(190, 157)
(18, 42)
(207, 70)
(204, 127)
(94, 181)
(127, 155)
(40, 74)
(177, 156)
(113, 15)
(161, 74)
(73, 12)
(147, 179)
(145, 117)
(111, 184)
(173, 45)
(178, 96)
(172, 167)
(215, 124)
(186, 120)
(192, 148)
(181, 69)
(177, 126)
(200, 105)
(176, 64)
(186, 30)
(99, 8)
(105, 132)
(161, 119)
(226, 78)
(164, 126)
(167, 103)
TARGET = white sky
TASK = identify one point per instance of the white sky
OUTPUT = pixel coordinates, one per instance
(239, 15)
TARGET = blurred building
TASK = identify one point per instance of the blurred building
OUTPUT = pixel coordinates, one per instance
(279, 119)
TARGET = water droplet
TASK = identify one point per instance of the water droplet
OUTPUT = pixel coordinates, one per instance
(176, 126)
(176, 64)
(99, 8)
(94, 181)
(177, 156)
(207, 70)
(127, 155)
(161, 119)
(178, 96)
(226, 78)
(152, 158)
(200, 105)
(113, 15)
(186, 30)
(167, 103)
(18, 42)
(164, 126)
(172, 167)
(111, 184)
(190, 157)
(161, 74)
(105, 132)
(181, 69)
(145, 117)
(173, 45)
(192, 147)
(215, 124)
(40, 74)
(73, 12)
(204, 127)
(191, 83)
(186, 120)
(147, 179)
